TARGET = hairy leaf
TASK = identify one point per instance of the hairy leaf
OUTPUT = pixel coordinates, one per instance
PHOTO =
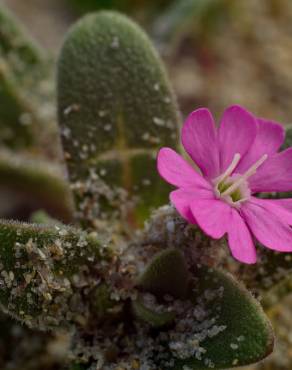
(166, 274)
(36, 184)
(116, 108)
(44, 270)
(151, 317)
(244, 332)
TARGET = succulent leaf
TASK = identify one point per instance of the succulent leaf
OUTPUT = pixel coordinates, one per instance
(41, 270)
(151, 317)
(115, 108)
(101, 302)
(247, 336)
(167, 273)
(42, 217)
(38, 181)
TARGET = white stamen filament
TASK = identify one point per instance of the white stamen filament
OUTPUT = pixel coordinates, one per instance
(251, 171)
(241, 200)
(230, 169)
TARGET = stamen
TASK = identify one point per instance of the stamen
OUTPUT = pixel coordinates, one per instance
(251, 171)
(229, 169)
(241, 200)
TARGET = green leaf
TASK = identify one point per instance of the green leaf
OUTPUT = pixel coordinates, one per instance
(42, 272)
(246, 335)
(151, 317)
(42, 217)
(167, 273)
(102, 304)
(37, 182)
(26, 90)
(116, 108)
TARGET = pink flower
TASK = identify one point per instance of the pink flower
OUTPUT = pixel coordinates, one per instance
(236, 160)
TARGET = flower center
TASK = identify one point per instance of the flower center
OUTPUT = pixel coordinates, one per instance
(234, 188)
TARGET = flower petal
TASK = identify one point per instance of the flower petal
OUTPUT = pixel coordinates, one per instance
(236, 134)
(270, 136)
(213, 216)
(176, 171)
(266, 225)
(240, 240)
(282, 209)
(285, 203)
(199, 139)
(182, 198)
(275, 174)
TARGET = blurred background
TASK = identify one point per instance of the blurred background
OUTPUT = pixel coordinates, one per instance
(217, 53)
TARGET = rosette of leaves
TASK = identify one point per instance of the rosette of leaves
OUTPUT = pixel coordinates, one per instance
(121, 302)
